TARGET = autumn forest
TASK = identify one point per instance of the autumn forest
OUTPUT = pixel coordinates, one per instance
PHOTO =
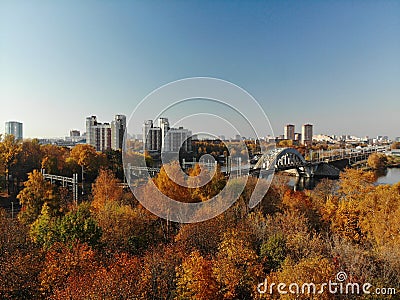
(107, 246)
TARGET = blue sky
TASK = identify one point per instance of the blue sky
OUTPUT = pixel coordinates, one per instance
(335, 64)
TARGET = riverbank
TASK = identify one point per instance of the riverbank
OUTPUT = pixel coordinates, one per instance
(393, 161)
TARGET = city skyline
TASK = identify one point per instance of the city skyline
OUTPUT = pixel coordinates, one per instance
(277, 134)
(335, 64)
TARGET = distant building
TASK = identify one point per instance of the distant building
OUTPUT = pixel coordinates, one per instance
(74, 133)
(163, 124)
(270, 139)
(102, 138)
(118, 129)
(105, 136)
(151, 137)
(176, 139)
(74, 138)
(153, 140)
(323, 138)
(297, 137)
(97, 134)
(397, 139)
(288, 132)
(163, 138)
(307, 134)
(14, 128)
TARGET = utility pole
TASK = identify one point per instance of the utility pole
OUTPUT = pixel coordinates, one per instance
(83, 192)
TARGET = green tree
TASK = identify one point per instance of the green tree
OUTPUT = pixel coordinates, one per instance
(44, 230)
(79, 225)
(274, 251)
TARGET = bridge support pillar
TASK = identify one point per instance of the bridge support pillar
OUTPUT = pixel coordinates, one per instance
(306, 171)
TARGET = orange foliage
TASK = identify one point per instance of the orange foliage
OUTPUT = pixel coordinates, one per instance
(195, 279)
(105, 189)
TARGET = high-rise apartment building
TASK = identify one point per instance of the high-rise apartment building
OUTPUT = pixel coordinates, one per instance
(105, 136)
(118, 128)
(151, 137)
(163, 138)
(307, 134)
(91, 123)
(14, 128)
(176, 139)
(288, 132)
(163, 123)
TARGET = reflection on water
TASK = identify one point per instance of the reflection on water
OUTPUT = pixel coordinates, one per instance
(301, 183)
(389, 176)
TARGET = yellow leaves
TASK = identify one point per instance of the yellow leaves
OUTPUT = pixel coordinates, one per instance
(354, 184)
(106, 189)
(171, 182)
(83, 154)
(346, 221)
(315, 270)
(365, 211)
(236, 266)
(285, 143)
(125, 228)
(37, 191)
(54, 158)
(138, 159)
(380, 218)
(377, 161)
(329, 209)
(198, 186)
(195, 278)
(9, 149)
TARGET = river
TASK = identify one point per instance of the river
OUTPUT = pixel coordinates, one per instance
(389, 176)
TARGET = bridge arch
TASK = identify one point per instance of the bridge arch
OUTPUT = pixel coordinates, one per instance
(281, 159)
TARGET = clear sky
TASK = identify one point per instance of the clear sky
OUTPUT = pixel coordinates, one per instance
(335, 64)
